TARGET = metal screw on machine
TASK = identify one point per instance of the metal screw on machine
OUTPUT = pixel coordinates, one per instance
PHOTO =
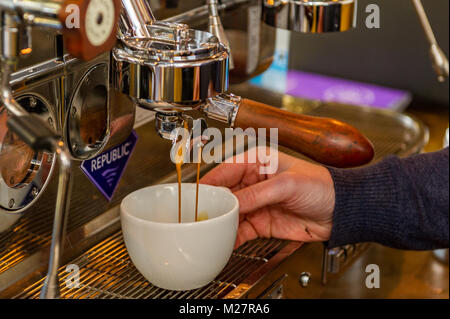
(34, 192)
(33, 102)
(304, 279)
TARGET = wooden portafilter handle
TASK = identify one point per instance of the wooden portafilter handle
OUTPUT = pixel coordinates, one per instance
(89, 26)
(324, 140)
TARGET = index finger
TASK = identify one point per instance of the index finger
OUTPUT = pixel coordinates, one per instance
(227, 174)
(230, 173)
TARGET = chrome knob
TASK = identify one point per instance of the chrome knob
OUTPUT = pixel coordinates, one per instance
(304, 279)
(167, 123)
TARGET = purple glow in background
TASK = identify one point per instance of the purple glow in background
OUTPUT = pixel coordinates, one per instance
(324, 88)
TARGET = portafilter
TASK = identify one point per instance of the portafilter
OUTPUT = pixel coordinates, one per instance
(172, 69)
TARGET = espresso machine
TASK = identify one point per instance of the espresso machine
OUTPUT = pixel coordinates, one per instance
(75, 75)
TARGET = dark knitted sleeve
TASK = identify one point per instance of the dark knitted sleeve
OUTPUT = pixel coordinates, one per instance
(401, 203)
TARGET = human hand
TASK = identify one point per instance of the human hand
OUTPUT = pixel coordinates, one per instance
(295, 203)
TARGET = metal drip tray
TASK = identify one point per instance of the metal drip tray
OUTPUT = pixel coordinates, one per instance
(106, 272)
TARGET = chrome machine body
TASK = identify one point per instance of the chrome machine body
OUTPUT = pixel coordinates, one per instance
(76, 97)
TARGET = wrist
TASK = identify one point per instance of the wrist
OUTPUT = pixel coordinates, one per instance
(364, 208)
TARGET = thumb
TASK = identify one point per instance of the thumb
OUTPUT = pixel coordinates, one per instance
(269, 192)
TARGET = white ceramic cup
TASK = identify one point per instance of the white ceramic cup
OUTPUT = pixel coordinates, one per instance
(179, 256)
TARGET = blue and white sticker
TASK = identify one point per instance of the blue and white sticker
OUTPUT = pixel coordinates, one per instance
(106, 169)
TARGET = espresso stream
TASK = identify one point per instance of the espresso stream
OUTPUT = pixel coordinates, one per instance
(198, 182)
(203, 215)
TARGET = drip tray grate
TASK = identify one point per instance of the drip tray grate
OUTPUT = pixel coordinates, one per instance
(106, 272)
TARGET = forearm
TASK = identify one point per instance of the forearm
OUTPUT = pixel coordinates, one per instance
(401, 203)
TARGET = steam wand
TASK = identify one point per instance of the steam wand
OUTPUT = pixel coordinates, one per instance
(216, 28)
(438, 59)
